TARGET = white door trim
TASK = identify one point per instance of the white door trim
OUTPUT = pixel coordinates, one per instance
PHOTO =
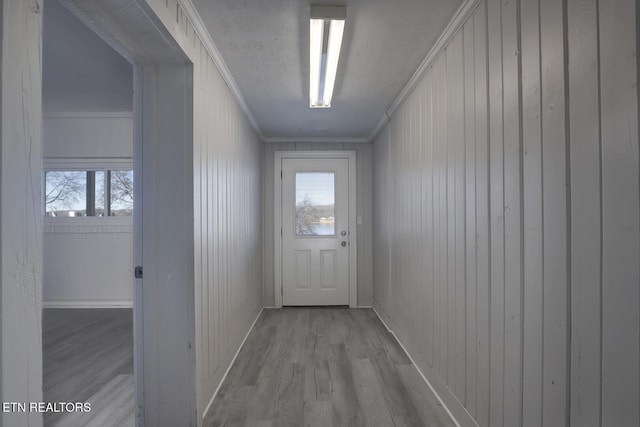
(277, 203)
(162, 116)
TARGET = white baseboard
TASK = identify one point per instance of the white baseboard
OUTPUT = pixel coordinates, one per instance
(87, 304)
(417, 367)
(215, 393)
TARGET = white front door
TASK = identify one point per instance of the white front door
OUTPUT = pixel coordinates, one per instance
(315, 231)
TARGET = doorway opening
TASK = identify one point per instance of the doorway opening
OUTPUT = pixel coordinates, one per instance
(87, 332)
(315, 228)
(147, 193)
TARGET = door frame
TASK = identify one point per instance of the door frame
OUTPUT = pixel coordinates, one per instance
(350, 155)
(162, 163)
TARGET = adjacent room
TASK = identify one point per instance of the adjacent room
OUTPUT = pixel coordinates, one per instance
(344, 212)
(87, 288)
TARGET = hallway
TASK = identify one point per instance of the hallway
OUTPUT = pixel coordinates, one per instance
(323, 367)
(489, 240)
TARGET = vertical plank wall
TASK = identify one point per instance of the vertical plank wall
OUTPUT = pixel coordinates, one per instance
(507, 216)
(228, 221)
(20, 217)
(364, 188)
(227, 182)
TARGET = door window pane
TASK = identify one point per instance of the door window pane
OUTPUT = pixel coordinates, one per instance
(65, 193)
(315, 204)
(121, 183)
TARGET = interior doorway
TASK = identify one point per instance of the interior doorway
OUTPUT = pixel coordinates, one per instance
(161, 253)
(87, 331)
(315, 229)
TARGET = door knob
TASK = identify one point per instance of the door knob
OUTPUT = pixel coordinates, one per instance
(343, 243)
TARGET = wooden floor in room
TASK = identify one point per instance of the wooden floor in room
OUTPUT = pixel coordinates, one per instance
(323, 367)
(88, 357)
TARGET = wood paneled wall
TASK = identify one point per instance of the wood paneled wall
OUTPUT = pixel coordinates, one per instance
(364, 188)
(506, 216)
(20, 208)
(228, 226)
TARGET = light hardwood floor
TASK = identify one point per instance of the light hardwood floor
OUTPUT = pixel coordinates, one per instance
(88, 357)
(323, 367)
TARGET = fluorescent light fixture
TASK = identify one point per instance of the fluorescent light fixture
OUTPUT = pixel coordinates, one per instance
(324, 52)
(315, 56)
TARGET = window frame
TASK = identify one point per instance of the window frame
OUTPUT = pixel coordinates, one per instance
(83, 165)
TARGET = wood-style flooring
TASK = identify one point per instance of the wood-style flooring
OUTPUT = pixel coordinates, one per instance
(323, 367)
(88, 357)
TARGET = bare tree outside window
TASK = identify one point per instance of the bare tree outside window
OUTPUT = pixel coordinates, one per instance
(315, 203)
(65, 191)
(121, 192)
(86, 193)
(307, 216)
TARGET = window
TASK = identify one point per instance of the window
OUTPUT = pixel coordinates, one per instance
(315, 204)
(120, 193)
(88, 193)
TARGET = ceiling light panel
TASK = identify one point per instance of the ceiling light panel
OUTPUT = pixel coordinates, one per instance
(324, 52)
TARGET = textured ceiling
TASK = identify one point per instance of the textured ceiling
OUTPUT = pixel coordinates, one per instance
(265, 45)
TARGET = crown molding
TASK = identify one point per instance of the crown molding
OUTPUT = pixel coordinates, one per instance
(463, 13)
(205, 37)
(313, 139)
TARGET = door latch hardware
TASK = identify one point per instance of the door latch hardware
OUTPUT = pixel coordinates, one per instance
(138, 272)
